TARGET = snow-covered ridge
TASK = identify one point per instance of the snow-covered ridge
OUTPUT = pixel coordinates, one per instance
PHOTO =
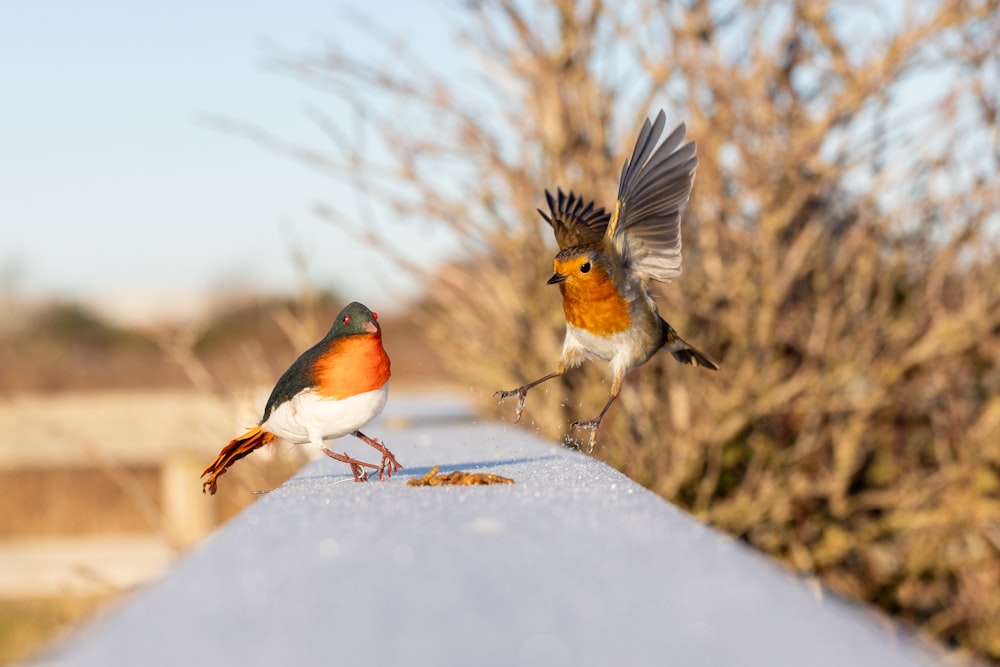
(573, 564)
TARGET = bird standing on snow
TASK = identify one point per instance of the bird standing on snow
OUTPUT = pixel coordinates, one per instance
(606, 261)
(333, 389)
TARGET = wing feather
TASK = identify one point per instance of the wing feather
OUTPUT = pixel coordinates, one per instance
(654, 188)
(572, 222)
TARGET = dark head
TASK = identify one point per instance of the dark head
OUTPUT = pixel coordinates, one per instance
(353, 320)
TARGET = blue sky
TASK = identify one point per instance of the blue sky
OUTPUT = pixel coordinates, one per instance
(114, 190)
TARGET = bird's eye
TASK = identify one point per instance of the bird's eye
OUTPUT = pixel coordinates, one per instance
(585, 267)
(347, 319)
(374, 315)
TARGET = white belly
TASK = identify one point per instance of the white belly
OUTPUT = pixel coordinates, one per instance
(623, 351)
(580, 343)
(311, 417)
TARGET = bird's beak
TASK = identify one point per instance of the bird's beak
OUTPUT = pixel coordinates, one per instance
(369, 327)
(556, 279)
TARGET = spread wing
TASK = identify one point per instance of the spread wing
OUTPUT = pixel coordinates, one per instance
(572, 222)
(645, 229)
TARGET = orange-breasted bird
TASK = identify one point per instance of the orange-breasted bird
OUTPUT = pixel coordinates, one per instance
(336, 387)
(606, 261)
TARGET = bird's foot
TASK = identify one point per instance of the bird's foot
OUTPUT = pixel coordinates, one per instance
(357, 467)
(591, 425)
(389, 466)
(521, 392)
(360, 474)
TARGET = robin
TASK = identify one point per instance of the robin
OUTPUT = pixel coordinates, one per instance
(336, 387)
(606, 261)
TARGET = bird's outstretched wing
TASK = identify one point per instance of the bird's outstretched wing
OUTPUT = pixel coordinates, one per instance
(645, 228)
(572, 222)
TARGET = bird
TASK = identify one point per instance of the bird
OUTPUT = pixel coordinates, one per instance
(606, 262)
(333, 389)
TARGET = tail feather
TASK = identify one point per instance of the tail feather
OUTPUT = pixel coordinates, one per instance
(689, 355)
(683, 351)
(233, 452)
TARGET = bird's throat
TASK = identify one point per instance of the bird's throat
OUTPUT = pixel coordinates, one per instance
(597, 308)
(353, 365)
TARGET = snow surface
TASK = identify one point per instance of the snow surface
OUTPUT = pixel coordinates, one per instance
(572, 565)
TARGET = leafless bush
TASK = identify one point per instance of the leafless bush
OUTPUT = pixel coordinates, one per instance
(841, 262)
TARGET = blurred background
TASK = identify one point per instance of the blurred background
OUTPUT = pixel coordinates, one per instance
(190, 193)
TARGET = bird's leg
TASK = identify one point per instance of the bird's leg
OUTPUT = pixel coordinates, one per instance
(594, 424)
(522, 391)
(357, 467)
(389, 465)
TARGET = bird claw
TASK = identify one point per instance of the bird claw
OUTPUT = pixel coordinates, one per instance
(360, 474)
(591, 425)
(390, 465)
(521, 393)
(357, 467)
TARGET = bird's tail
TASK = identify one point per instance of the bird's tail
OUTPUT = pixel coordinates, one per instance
(686, 353)
(233, 452)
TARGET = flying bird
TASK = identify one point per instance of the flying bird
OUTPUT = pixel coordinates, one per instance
(607, 260)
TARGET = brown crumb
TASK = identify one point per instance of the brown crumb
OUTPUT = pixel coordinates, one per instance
(457, 478)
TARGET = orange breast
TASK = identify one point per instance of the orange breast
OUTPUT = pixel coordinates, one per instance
(352, 365)
(595, 305)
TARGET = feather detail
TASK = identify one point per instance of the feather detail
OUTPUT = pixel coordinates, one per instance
(656, 181)
(571, 221)
(233, 452)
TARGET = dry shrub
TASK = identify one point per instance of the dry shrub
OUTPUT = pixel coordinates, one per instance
(62, 346)
(840, 262)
